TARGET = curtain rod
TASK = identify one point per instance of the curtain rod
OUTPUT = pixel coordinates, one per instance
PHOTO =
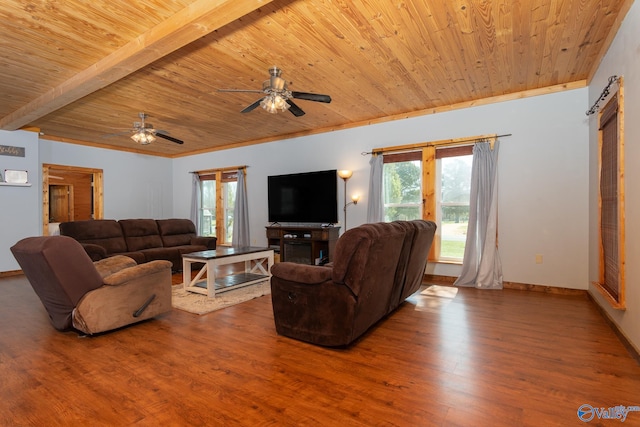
(410, 147)
(605, 92)
(228, 168)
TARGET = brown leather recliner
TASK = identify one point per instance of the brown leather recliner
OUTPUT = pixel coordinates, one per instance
(92, 297)
(375, 268)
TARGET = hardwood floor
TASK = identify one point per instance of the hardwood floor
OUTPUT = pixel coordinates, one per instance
(476, 358)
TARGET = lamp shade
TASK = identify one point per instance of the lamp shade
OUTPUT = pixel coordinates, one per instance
(345, 174)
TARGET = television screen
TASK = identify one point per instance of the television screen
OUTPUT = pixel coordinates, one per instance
(304, 197)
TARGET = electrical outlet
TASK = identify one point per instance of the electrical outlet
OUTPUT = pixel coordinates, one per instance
(538, 259)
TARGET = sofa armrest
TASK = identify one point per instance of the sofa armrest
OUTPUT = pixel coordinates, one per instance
(113, 264)
(132, 273)
(209, 242)
(95, 252)
(301, 273)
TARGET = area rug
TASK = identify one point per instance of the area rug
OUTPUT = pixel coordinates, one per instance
(202, 304)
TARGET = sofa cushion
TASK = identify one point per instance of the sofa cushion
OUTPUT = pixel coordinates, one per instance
(176, 231)
(140, 234)
(372, 253)
(421, 242)
(102, 232)
(169, 254)
(365, 249)
(108, 266)
(403, 261)
(321, 313)
(187, 249)
(137, 256)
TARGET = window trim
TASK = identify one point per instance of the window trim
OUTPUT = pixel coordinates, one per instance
(605, 115)
(430, 155)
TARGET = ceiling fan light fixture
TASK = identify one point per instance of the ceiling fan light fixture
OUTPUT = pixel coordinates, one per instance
(273, 103)
(277, 97)
(143, 137)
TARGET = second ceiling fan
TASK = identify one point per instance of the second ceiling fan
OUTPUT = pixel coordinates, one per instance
(144, 133)
(278, 97)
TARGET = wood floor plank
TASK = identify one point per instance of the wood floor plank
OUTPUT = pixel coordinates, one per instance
(468, 358)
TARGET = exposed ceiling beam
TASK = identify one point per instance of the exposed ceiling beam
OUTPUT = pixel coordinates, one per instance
(194, 21)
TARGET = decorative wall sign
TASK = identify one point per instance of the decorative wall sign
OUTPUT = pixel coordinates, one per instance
(7, 150)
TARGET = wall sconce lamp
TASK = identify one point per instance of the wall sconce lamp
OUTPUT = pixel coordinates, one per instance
(355, 198)
(345, 175)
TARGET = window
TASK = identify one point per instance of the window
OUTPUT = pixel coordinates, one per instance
(218, 195)
(453, 190)
(611, 192)
(402, 186)
(433, 184)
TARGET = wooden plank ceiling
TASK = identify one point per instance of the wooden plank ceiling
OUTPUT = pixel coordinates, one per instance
(81, 71)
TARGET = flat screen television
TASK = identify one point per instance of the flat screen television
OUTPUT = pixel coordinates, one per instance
(310, 197)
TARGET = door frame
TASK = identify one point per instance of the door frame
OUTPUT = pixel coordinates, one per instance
(98, 182)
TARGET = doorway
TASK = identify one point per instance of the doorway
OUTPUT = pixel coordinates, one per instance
(70, 193)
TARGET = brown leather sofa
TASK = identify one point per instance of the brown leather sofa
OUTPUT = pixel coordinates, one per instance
(92, 297)
(143, 240)
(375, 268)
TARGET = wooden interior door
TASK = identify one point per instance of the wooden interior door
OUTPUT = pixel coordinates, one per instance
(61, 203)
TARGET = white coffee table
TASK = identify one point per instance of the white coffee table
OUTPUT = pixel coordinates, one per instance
(257, 268)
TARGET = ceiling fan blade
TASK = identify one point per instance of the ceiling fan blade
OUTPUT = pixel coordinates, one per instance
(240, 90)
(252, 106)
(311, 97)
(169, 138)
(295, 110)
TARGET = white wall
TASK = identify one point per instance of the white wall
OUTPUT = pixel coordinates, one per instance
(622, 59)
(135, 185)
(543, 188)
(19, 206)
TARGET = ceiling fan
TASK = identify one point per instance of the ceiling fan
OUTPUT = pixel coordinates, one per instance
(144, 133)
(278, 97)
